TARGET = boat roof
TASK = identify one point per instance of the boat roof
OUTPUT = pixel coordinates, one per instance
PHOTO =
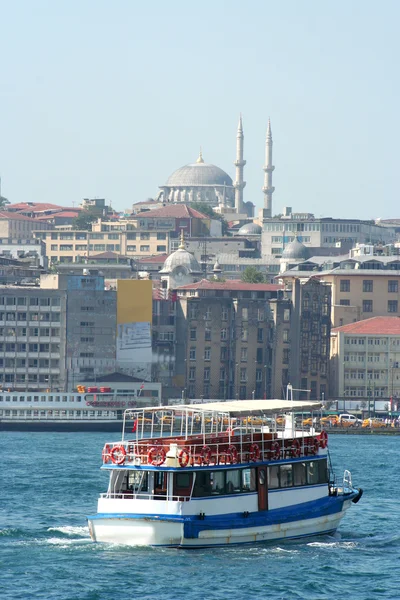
(243, 407)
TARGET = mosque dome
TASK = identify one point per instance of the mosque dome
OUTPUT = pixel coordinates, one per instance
(250, 229)
(296, 251)
(181, 260)
(199, 174)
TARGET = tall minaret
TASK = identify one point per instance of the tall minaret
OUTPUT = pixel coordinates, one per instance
(268, 188)
(239, 163)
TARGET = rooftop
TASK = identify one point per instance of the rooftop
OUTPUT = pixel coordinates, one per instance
(233, 285)
(175, 211)
(372, 326)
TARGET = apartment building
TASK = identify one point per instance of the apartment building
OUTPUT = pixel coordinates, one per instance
(365, 360)
(53, 335)
(14, 226)
(319, 232)
(224, 339)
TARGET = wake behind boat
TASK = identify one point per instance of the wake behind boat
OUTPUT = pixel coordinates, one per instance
(217, 474)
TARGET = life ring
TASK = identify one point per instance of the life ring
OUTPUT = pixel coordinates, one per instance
(184, 457)
(254, 452)
(156, 456)
(275, 450)
(232, 455)
(118, 454)
(105, 455)
(205, 455)
(229, 431)
(315, 446)
(295, 449)
(323, 439)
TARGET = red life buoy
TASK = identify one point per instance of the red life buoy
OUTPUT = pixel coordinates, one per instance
(184, 457)
(254, 452)
(118, 454)
(206, 455)
(232, 455)
(275, 450)
(323, 439)
(156, 456)
(106, 454)
(295, 449)
(315, 446)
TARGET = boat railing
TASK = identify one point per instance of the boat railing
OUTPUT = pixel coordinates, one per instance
(225, 448)
(143, 496)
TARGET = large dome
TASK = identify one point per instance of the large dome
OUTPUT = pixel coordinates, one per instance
(250, 229)
(296, 251)
(181, 258)
(198, 174)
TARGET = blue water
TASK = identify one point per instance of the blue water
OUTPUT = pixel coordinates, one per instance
(49, 482)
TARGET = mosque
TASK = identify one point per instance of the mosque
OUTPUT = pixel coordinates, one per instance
(207, 183)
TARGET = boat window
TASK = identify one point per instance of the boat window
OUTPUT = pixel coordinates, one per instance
(286, 476)
(299, 473)
(248, 480)
(138, 481)
(273, 477)
(233, 482)
(217, 482)
(182, 480)
(312, 472)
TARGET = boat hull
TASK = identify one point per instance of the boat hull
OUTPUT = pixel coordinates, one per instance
(192, 532)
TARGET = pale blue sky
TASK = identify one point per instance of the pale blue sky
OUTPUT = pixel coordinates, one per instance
(106, 99)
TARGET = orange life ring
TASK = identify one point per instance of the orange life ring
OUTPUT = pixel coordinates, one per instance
(315, 446)
(184, 457)
(118, 454)
(206, 455)
(323, 439)
(156, 456)
(254, 452)
(232, 455)
(105, 455)
(295, 449)
(275, 450)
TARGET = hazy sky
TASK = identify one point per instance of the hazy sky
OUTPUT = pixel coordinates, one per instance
(103, 98)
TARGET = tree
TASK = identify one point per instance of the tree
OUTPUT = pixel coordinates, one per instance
(84, 220)
(3, 202)
(251, 275)
(207, 210)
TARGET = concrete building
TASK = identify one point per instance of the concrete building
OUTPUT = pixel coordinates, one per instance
(14, 226)
(53, 335)
(32, 248)
(224, 339)
(365, 361)
(319, 232)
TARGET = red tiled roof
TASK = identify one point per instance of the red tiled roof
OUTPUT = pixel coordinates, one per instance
(176, 211)
(372, 326)
(154, 259)
(4, 214)
(233, 285)
(66, 214)
(34, 206)
(150, 201)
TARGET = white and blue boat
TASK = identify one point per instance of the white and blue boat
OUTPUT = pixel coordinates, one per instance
(218, 474)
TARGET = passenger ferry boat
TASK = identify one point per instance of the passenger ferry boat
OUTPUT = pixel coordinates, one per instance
(218, 474)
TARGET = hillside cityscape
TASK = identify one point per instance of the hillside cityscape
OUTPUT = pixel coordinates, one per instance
(196, 291)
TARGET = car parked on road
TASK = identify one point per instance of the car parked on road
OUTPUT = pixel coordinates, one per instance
(374, 423)
(347, 420)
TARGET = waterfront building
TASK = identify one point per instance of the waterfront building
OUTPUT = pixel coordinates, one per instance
(365, 360)
(15, 226)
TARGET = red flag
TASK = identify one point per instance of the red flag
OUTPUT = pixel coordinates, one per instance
(135, 426)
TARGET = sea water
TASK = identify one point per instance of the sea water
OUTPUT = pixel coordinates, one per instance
(49, 482)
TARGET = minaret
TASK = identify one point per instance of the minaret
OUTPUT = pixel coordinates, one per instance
(268, 188)
(239, 163)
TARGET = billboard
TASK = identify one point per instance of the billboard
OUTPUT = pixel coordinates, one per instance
(134, 317)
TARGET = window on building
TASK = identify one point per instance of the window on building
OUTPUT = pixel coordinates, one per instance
(131, 236)
(207, 374)
(243, 374)
(344, 302)
(144, 248)
(161, 248)
(260, 334)
(393, 306)
(245, 334)
(367, 306)
(258, 375)
(207, 314)
(224, 313)
(260, 314)
(207, 334)
(224, 334)
(286, 315)
(393, 286)
(193, 311)
(192, 373)
(145, 236)
(223, 353)
(131, 248)
(192, 353)
(285, 356)
(259, 355)
(345, 285)
(285, 335)
(368, 285)
(243, 354)
(245, 314)
(193, 334)
(161, 236)
(207, 353)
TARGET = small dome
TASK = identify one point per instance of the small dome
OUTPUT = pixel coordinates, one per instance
(198, 174)
(250, 229)
(181, 258)
(296, 251)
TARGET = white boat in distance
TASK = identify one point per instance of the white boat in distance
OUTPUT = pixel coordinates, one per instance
(217, 474)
